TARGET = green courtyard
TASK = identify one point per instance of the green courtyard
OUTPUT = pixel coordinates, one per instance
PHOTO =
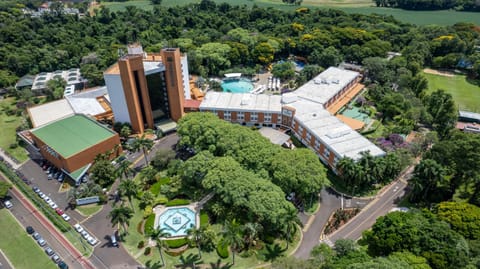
(22, 251)
(10, 120)
(465, 93)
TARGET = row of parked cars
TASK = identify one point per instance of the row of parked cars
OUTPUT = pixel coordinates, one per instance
(90, 239)
(51, 203)
(48, 250)
(52, 171)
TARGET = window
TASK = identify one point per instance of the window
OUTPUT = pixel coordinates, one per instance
(335, 160)
(309, 137)
(240, 116)
(254, 116)
(227, 115)
(267, 117)
(294, 125)
(300, 129)
(279, 119)
(326, 153)
(317, 144)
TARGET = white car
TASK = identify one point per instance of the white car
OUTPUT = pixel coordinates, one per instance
(78, 228)
(47, 199)
(53, 205)
(8, 204)
(66, 217)
(92, 241)
(85, 234)
(42, 195)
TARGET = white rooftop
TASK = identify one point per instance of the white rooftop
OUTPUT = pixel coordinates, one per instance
(323, 87)
(86, 102)
(153, 67)
(241, 102)
(71, 76)
(46, 113)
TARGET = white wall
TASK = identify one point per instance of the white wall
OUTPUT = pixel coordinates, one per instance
(117, 97)
(186, 78)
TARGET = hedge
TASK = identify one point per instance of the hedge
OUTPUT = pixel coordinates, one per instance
(56, 219)
(176, 243)
(222, 250)
(204, 219)
(160, 200)
(148, 226)
(178, 202)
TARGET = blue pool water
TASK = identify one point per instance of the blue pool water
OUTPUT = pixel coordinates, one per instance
(176, 221)
(237, 85)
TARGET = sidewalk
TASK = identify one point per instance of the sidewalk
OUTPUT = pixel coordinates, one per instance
(9, 160)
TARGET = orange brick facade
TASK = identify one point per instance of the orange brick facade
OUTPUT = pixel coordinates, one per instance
(82, 158)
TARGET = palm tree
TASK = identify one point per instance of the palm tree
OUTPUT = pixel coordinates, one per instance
(124, 169)
(347, 169)
(290, 222)
(147, 176)
(147, 199)
(128, 188)
(120, 215)
(231, 235)
(426, 176)
(158, 235)
(143, 144)
(250, 232)
(197, 234)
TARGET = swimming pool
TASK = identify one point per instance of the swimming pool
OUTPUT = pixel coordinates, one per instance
(177, 220)
(240, 85)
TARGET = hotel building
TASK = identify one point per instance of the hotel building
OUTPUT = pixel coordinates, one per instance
(309, 112)
(148, 88)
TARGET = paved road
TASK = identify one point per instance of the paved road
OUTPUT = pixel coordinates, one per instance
(367, 217)
(329, 203)
(28, 215)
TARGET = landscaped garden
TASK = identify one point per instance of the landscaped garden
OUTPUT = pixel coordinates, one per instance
(21, 250)
(244, 217)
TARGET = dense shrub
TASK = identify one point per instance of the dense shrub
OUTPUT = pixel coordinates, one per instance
(141, 244)
(178, 202)
(204, 219)
(161, 200)
(147, 211)
(147, 251)
(176, 243)
(148, 227)
(222, 250)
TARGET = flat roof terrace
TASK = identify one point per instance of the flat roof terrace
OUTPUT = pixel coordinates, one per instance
(71, 135)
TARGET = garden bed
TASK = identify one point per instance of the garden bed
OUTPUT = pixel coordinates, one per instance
(339, 218)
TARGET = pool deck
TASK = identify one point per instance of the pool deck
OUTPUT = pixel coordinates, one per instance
(352, 123)
(345, 99)
(161, 209)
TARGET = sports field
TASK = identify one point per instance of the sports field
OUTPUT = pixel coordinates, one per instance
(442, 17)
(22, 251)
(465, 94)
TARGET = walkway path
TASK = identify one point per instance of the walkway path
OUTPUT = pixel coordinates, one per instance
(9, 160)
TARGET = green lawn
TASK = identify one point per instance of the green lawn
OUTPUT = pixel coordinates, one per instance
(465, 94)
(88, 210)
(20, 249)
(442, 17)
(8, 133)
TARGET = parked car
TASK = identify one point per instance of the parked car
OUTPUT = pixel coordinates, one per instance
(49, 251)
(61, 177)
(47, 199)
(65, 217)
(62, 265)
(35, 189)
(92, 241)
(78, 228)
(41, 194)
(59, 211)
(30, 230)
(113, 241)
(8, 204)
(36, 236)
(41, 241)
(85, 234)
(55, 258)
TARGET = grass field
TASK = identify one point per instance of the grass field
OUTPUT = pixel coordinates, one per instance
(88, 210)
(22, 251)
(443, 17)
(465, 94)
(8, 133)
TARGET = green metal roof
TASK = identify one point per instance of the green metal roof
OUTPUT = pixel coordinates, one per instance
(77, 174)
(71, 135)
